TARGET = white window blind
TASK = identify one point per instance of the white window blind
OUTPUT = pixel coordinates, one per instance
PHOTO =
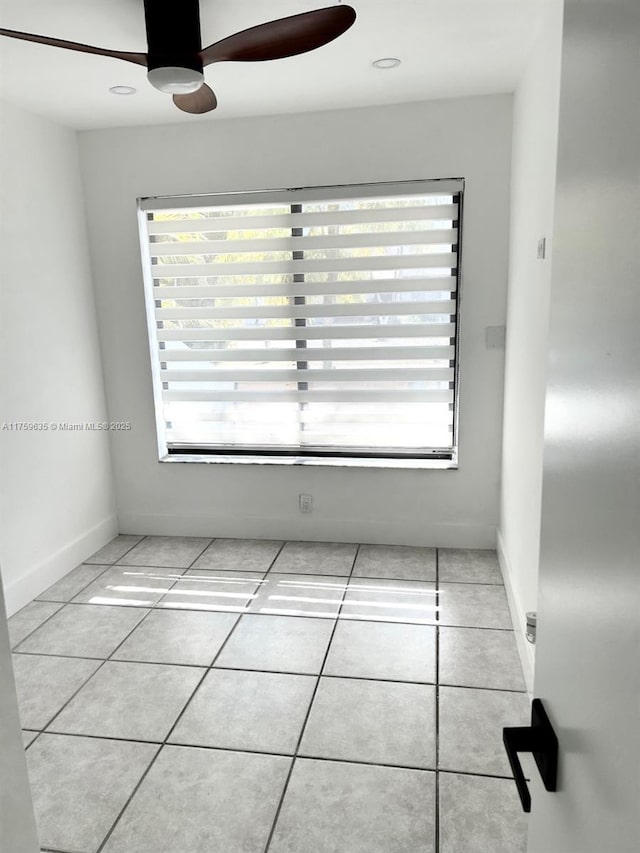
(318, 321)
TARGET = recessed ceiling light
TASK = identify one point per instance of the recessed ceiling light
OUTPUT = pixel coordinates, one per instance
(387, 62)
(122, 90)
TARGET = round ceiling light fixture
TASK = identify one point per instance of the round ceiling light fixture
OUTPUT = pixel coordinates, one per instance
(386, 62)
(122, 90)
(175, 80)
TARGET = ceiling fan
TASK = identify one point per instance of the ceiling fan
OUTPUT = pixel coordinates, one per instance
(175, 58)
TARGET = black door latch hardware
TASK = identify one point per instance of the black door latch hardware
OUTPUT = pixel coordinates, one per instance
(540, 739)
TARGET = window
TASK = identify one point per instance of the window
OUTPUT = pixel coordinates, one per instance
(309, 324)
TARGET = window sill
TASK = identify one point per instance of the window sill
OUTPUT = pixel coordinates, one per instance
(328, 462)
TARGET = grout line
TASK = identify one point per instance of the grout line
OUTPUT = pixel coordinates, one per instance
(355, 578)
(199, 684)
(131, 796)
(329, 675)
(106, 567)
(119, 564)
(37, 735)
(173, 605)
(73, 695)
(135, 628)
(273, 562)
(245, 751)
(486, 689)
(475, 774)
(62, 604)
(19, 651)
(102, 737)
(437, 710)
(308, 714)
(84, 683)
(17, 645)
(168, 735)
(206, 548)
(132, 567)
(352, 618)
(112, 659)
(140, 606)
(156, 604)
(207, 571)
(476, 627)
(123, 555)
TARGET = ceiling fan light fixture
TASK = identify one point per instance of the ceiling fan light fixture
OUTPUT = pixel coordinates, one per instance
(122, 90)
(175, 80)
(175, 56)
(386, 62)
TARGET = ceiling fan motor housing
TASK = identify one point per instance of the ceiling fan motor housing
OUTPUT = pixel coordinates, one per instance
(174, 42)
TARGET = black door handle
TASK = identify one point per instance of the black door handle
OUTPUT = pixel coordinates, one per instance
(540, 739)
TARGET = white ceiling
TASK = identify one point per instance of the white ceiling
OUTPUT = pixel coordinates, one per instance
(449, 48)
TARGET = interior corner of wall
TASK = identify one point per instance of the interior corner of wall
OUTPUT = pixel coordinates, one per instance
(526, 650)
(36, 579)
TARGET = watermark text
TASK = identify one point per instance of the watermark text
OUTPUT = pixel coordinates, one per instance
(65, 426)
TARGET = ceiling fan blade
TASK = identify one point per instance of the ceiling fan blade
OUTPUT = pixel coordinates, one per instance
(202, 101)
(137, 58)
(281, 38)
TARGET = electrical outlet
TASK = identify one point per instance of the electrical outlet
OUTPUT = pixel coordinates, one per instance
(305, 502)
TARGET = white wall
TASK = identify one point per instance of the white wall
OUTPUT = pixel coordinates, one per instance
(56, 495)
(535, 136)
(466, 137)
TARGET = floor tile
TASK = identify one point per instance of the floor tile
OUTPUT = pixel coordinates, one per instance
(140, 701)
(479, 815)
(332, 807)
(224, 592)
(202, 800)
(471, 723)
(396, 562)
(300, 595)
(28, 737)
(129, 587)
(79, 786)
(468, 565)
(474, 606)
(316, 558)
(375, 721)
(390, 601)
(84, 630)
(239, 555)
(173, 636)
(383, 650)
(278, 643)
(72, 583)
(166, 551)
(29, 618)
(259, 711)
(45, 683)
(473, 657)
(114, 550)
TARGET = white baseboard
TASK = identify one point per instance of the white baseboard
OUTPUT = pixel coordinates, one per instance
(310, 528)
(526, 650)
(22, 590)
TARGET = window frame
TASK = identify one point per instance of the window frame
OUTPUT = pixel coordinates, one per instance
(294, 196)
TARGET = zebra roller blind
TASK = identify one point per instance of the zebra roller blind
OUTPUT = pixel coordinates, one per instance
(312, 322)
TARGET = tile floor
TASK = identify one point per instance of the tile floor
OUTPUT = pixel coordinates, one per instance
(190, 695)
